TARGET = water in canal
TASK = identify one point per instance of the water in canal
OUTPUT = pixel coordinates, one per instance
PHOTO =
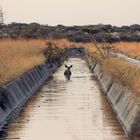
(68, 110)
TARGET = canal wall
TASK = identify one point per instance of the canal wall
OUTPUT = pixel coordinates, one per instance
(123, 101)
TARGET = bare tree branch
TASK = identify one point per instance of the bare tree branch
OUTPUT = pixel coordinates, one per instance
(98, 48)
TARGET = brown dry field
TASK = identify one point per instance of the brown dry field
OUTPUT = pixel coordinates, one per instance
(129, 48)
(126, 73)
(19, 56)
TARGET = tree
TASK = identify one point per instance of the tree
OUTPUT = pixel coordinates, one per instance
(1, 16)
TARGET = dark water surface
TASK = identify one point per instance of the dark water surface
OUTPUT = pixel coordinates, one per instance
(68, 110)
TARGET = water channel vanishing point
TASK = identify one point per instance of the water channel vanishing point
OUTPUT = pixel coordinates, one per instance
(68, 110)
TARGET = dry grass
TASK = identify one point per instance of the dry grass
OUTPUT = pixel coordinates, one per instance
(126, 73)
(93, 51)
(16, 57)
(129, 48)
(19, 56)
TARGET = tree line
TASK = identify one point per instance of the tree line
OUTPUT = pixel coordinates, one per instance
(100, 32)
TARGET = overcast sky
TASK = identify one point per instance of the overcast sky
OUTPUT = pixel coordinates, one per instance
(72, 12)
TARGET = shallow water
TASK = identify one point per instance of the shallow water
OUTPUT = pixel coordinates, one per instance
(68, 110)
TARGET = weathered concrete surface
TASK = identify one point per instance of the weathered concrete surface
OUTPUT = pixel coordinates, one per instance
(124, 102)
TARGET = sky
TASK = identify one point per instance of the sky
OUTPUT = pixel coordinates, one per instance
(72, 12)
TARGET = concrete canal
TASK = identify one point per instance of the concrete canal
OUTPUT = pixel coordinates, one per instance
(68, 110)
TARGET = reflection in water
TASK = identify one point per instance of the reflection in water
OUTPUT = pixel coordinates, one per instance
(68, 110)
(68, 77)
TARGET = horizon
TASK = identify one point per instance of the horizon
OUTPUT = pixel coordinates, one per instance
(70, 25)
(72, 13)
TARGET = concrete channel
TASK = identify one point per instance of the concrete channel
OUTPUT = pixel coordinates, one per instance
(74, 109)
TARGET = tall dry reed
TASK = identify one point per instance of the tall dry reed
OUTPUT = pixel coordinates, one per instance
(16, 57)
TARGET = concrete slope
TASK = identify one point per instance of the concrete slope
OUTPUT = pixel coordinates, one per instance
(124, 102)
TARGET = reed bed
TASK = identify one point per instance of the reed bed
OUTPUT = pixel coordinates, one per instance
(19, 56)
(121, 70)
(129, 48)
